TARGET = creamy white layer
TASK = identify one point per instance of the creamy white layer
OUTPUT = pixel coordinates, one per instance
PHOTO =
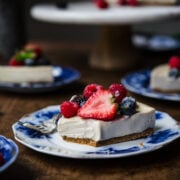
(160, 79)
(76, 127)
(24, 74)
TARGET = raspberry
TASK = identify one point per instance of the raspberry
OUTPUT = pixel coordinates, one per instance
(14, 62)
(69, 109)
(119, 91)
(102, 4)
(174, 62)
(90, 89)
(121, 2)
(35, 48)
(132, 2)
(1, 159)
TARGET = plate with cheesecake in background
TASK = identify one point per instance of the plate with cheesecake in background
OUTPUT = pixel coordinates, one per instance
(161, 82)
(8, 152)
(29, 71)
(99, 123)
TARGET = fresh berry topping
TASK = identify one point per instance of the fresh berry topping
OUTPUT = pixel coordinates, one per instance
(174, 73)
(119, 91)
(34, 48)
(121, 2)
(128, 106)
(99, 106)
(14, 62)
(132, 2)
(29, 62)
(174, 62)
(1, 159)
(69, 109)
(102, 4)
(79, 99)
(90, 89)
(43, 61)
(22, 55)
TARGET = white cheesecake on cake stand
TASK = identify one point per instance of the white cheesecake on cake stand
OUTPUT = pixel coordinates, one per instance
(114, 49)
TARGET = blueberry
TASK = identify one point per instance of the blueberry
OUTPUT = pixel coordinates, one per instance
(174, 73)
(29, 62)
(62, 4)
(79, 99)
(43, 61)
(128, 106)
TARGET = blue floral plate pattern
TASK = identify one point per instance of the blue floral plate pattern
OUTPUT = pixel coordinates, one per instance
(139, 83)
(62, 76)
(166, 131)
(9, 151)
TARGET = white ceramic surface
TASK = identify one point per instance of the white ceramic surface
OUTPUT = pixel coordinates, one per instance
(88, 13)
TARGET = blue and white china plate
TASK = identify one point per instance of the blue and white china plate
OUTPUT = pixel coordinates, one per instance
(139, 83)
(166, 131)
(9, 151)
(62, 76)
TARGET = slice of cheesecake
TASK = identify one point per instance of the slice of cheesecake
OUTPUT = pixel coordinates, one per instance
(25, 74)
(97, 133)
(166, 77)
(105, 116)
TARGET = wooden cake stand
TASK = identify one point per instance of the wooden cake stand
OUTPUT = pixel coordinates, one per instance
(114, 48)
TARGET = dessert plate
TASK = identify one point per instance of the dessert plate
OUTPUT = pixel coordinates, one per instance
(62, 76)
(9, 151)
(139, 83)
(166, 131)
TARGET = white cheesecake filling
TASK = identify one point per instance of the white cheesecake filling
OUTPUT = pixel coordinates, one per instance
(160, 79)
(76, 127)
(24, 74)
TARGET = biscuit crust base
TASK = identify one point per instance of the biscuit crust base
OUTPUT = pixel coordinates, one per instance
(91, 142)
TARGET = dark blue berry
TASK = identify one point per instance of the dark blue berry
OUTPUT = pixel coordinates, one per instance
(79, 99)
(43, 61)
(29, 62)
(128, 106)
(174, 73)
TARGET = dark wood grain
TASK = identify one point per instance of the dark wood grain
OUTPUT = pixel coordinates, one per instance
(161, 164)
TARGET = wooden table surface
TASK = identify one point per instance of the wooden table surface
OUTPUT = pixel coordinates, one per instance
(161, 164)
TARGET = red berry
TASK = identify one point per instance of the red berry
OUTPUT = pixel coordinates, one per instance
(90, 89)
(34, 48)
(69, 109)
(14, 62)
(174, 62)
(119, 91)
(102, 4)
(99, 106)
(1, 159)
(121, 2)
(132, 2)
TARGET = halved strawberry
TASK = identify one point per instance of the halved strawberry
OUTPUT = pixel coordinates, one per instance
(99, 106)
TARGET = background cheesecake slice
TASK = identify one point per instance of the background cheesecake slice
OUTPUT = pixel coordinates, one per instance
(24, 74)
